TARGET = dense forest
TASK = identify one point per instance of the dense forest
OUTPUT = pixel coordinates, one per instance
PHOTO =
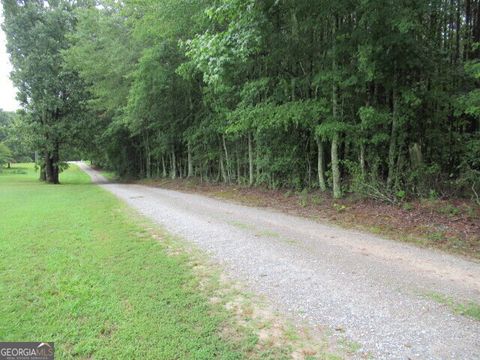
(379, 98)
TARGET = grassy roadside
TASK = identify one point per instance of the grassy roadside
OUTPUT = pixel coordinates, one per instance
(469, 309)
(79, 269)
(109, 175)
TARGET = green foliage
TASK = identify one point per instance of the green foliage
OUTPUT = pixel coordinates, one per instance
(5, 123)
(376, 98)
(303, 198)
(400, 194)
(17, 135)
(5, 155)
(51, 94)
(339, 207)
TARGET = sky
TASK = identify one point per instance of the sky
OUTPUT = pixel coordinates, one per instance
(7, 91)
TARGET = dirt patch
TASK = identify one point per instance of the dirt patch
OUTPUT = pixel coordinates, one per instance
(452, 225)
(277, 336)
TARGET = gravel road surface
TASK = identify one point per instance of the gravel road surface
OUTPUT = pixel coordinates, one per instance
(374, 291)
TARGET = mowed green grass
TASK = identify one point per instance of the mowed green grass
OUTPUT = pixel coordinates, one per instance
(76, 269)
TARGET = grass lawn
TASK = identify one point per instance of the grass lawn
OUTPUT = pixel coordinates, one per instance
(76, 268)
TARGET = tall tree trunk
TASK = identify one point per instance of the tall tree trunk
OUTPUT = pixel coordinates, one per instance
(173, 173)
(223, 173)
(337, 191)
(257, 165)
(392, 150)
(227, 160)
(164, 168)
(189, 158)
(43, 173)
(250, 160)
(237, 160)
(48, 168)
(148, 157)
(468, 30)
(362, 160)
(56, 164)
(321, 166)
(476, 31)
(51, 166)
(457, 34)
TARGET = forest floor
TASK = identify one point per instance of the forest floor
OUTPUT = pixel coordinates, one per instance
(380, 298)
(81, 269)
(450, 225)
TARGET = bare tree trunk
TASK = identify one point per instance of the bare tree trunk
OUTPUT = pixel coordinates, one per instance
(362, 160)
(458, 30)
(337, 191)
(392, 150)
(174, 164)
(222, 166)
(56, 164)
(416, 157)
(148, 158)
(189, 158)
(164, 168)
(257, 162)
(43, 173)
(237, 158)
(250, 160)
(48, 168)
(468, 31)
(321, 166)
(227, 160)
(51, 166)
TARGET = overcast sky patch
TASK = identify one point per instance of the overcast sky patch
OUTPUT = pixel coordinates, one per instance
(7, 91)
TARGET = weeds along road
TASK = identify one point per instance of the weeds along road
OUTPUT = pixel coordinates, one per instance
(379, 293)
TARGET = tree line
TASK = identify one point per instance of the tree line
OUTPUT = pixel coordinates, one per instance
(379, 98)
(14, 146)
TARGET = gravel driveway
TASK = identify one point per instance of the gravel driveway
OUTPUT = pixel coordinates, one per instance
(374, 291)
